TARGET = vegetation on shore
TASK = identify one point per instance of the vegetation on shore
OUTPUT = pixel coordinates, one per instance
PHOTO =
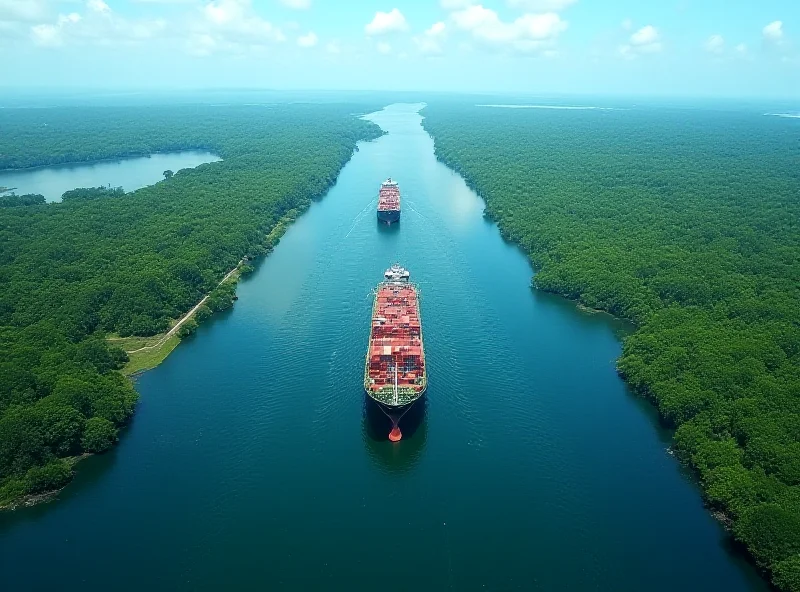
(147, 359)
(686, 222)
(13, 200)
(106, 262)
(145, 353)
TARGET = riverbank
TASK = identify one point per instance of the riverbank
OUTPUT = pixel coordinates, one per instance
(146, 353)
(723, 516)
(103, 263)
(682, 243)
(110, 159)
(26, 500)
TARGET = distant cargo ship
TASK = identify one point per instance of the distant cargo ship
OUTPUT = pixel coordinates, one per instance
(394, 372)
(389, 202)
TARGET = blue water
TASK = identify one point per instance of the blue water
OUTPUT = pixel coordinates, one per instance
(254, 463)
(128, 173)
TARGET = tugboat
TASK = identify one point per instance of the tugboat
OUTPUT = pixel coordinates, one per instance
(389, 202)
(395, 376)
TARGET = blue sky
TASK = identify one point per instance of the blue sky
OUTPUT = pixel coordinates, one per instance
(732, 48)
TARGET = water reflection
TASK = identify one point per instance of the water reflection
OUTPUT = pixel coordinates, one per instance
(395, 457)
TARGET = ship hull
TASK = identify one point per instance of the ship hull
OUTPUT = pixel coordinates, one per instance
(382, 419)
(389, 216)
(393, 410)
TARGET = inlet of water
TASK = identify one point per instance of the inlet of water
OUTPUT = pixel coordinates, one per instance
(129, 173)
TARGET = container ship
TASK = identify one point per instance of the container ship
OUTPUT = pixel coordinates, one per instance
(389, 202)
(394, 372)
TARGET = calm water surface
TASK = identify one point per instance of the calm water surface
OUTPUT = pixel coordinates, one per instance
(253, 462)
(129, 173)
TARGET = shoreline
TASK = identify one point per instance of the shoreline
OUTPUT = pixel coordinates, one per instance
(724, 519)
(170, 340)
(28, 500)
(152, 355)
(131, 156)
(222, 296)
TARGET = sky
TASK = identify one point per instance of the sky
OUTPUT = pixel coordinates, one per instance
(706, 48)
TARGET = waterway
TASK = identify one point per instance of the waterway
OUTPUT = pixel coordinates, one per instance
(129, 173)
(254, 463)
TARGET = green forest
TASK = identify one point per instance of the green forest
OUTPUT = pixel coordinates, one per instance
(105, 261)
(687, 222)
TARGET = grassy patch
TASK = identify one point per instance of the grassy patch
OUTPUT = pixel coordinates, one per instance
(133, 342)
(150, 358)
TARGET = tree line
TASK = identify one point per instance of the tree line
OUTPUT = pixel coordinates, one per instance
(688, 223)
(105, 261)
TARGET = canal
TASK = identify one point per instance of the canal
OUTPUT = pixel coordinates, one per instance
(254, 463)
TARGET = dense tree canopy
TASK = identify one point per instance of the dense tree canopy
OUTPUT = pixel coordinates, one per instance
(687, 222)
(108, 261)
(12, 200)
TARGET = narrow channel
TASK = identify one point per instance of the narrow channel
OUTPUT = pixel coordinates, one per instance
(252, 462)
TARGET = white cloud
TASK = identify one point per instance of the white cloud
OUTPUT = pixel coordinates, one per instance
(307, 40)
(715, 44)
(741, 49)
(224, 11)
(72, 17)
(46, 35)
(333, 48)
(297, 4)
(384, 48)
(541, 26)
(530, 32)
(645, 40)
(542, 5)
(474, 17)
(98, 6)
(430, 41)
(23, 10)
(99, 25)
(773, 32)
(645, 36)
(436, 29)
(235, 26)
(208, 27)
(386, 22)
